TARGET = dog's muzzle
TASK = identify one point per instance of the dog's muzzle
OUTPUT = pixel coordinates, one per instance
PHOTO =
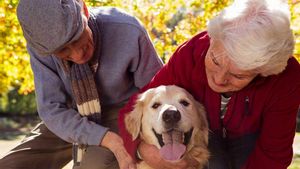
(173, 141)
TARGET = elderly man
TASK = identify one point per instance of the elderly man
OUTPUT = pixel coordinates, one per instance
(81, 59)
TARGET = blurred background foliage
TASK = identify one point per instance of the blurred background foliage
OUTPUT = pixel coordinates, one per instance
(169, 23)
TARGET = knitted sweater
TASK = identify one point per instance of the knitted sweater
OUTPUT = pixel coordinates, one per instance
(268, 105)
(127, 61)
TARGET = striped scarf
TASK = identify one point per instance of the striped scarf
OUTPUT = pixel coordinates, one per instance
(86, 97)
(84, 88)
(82, 78)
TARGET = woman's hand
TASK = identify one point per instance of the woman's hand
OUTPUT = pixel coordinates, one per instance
(114, 143)
(151, 156)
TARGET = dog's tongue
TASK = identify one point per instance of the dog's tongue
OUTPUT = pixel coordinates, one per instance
(173, 148)
(172, 151)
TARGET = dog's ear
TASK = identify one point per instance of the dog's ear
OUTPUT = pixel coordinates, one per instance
(133, 120)
(203, 125)
(198, 149)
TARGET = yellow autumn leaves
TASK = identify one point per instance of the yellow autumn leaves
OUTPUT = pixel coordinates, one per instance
(169, 23)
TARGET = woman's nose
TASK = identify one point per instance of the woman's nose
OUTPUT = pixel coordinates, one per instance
(221, 78)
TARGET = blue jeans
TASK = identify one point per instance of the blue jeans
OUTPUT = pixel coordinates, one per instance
(229, 153)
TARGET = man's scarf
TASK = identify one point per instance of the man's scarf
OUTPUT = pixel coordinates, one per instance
(86, 97)
(84, 88)
(83, 84)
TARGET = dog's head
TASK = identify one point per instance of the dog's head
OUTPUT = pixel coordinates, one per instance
(169, 118)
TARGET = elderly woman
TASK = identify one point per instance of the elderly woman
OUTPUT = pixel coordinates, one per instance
(243, 71)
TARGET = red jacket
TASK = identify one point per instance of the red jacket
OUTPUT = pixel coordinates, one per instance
(270, 108)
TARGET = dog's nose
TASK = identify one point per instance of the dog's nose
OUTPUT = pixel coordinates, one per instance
(171, 116)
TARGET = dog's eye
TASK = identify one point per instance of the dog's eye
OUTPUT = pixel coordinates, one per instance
(184, 103)
(155, 105)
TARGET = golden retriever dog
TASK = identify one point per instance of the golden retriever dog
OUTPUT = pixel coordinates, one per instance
(172, 120)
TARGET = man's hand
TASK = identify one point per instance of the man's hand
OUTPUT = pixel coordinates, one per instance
(151, 156)
(114, 143)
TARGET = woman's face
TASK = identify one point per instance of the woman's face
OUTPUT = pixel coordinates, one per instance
(222, 74)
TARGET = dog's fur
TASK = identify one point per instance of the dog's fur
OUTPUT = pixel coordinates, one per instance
(147, 119)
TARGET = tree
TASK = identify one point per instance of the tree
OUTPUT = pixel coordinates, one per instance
(295, 18)
(15, 70)
(169, 23)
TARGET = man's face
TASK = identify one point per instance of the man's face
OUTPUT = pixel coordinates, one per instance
(79, 51)
(222, 74)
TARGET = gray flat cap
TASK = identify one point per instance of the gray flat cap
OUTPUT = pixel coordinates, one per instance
(48, 25)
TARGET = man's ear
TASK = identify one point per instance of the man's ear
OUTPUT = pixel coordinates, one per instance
(85, 10)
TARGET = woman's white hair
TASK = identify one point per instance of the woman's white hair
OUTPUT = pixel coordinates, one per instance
(256, 34)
